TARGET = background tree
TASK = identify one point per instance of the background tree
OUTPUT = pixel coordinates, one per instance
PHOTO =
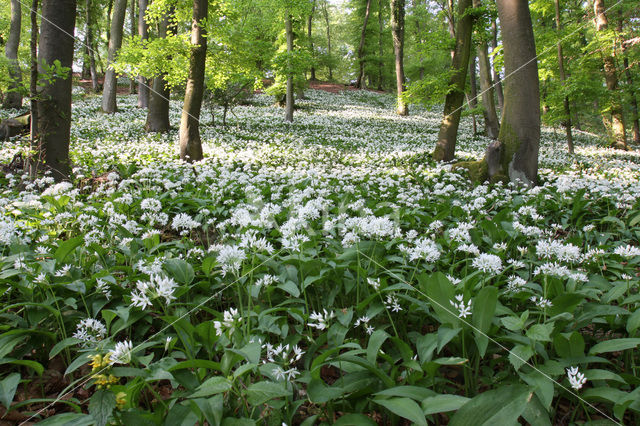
(397, 28)
(143, 33)
(109, 104)
(491, 121)
(13, 98)
(363, 33)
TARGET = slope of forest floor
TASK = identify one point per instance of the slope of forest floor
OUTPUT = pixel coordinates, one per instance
(322, 271)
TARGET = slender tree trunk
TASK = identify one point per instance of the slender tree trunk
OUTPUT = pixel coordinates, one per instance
(86, 68)
(472, 98)
(110, 79)
(158, 112)
(632, 92)
(90, 50)
(494, 69)
(190, 144)
(611, 78)
(567, 109)
(310, 35)
(14, 95)
(520, 129)
(446, 145)
(380, 44)
(361, 46)
(132, 31)
(397, 30)
(33, 163)
(326, 20)
(143, 32)
(491, 122)
(288, 115)
(54, 103)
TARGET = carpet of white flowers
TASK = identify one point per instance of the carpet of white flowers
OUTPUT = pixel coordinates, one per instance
(325, 271)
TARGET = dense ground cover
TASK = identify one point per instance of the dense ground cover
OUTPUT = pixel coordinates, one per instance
(321, 271)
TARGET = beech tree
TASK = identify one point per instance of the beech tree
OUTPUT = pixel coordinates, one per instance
(143, 33)
(361, 60)
(491, 122)
(397, 30)
(55, 57)
(115, 42)
(13, 98)
(158, 112)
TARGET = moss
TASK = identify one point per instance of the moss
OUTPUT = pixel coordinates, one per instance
(478, 170)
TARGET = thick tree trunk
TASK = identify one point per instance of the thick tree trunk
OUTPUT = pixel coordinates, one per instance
(90, 47)
(632, 92)
(158, 112)
(132, 31)
(361, 46)
(446, 145)
(110, 80)
(288, 115)
(611, 78)
(567, 109)
(520, 129)
(54, 104)
(325, 11)
(190, 144)
(397, 31)
(496, 73)
(14, 94)
(310, 35)
(143, 32)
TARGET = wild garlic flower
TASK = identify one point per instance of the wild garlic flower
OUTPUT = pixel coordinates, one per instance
(230, 318)
(627, 251)
(121, 354)
(464, 310)
(321, 318)
(364, 322)
(576, 378)
(158, 286)
(541, 302)
(374, 282)
(488, 263)
(391, 302)
(90, 331)
(230, 258)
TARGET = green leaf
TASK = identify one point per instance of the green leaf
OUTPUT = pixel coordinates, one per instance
(320, 393)
(500, 406)
(375, 343)
(180, 269)
(261, 392)
(69, 341)
(519, 355)
(68, 419)
(440, 292)
(404, 407)
(181, 415)
(8, 387)
(442, 403)
(101, 406)
(212, 386)
(67, 247)
(354, 420)
(614, 345)
(418, 393)
(540, 332)
(484, 308)
(633, 322)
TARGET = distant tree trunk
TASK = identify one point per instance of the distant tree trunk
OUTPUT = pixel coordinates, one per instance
(520, 129)
(567, 109)
(143, 32)
(472, 98)
(158, 112)
(54, 103)
(632, 92)
(380, 44)
(494, 69)
(325, 11)
(90, 44)
(397, 30)
(446, 145)
(611, 78)
(491, 122)
(288, 115)
(14, 94)
(132, 31)
(310, 35)
(86, 67)
(361, 46)
(110, 80)
(190, 144)
(31, 163)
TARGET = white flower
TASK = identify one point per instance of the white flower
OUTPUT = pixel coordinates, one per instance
(374, 282)
(184, 223)
(488, 263)
(121, 354)
(541, 302)
(230, 258)
(90, 331)
(576, 378)
(627, 251)
(464, 310)
(229, 319)
(322, 319)
(392, 303)
(515, 283)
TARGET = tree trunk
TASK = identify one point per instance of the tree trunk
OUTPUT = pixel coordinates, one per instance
(397, 30)
(14, 94)
(90, 47)
(361, 46)
(611, 78)
(310, 35)
(54, 103)
(132, 31)
(491, 122)
(496, 73)
(32, 163)
(110, 80)
(326, 20)
(472, 98)
(632, 92)
(380, 44)
(190, 144)
(520, 129)
(143, 32)
(567, 109)
(446, 145)
(288, 115)
(158, 112)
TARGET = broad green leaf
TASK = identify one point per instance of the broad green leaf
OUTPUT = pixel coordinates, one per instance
(180, 269)
(440, 293)
(502, 406)
(320, 393)
(180, 415)
(519, 355)
(375, 343)
(540, 332)
(633, 323)
(261, 392)
(8, 387)
(414, 392)
(404, 407)
(69, 341)
(354, 420)
(442, 403)
(68, 419)
(67, 247)
(101, 406)
(212, 386)
(614, 345)
(484, 308)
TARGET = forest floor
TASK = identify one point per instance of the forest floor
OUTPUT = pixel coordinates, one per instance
(324, 271)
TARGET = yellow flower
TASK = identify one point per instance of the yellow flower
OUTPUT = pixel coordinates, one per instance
(121, 400)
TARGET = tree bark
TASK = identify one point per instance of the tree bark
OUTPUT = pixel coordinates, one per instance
(90, 47)
(143, 32)
(190, 144)
(491, 122)
(31, 163)
(158, 112)
(397, 30)
(494, 69)
(520, 129)
(619, 136)
(310, 35)
(380, 44)
(54, 103)
(132, 31)
(632, 92)
(325, 11)
(446, 145)
(14, 94)
(115, 42)
(567, 109)
(361, 46)
(472, 98)
(288, 115)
